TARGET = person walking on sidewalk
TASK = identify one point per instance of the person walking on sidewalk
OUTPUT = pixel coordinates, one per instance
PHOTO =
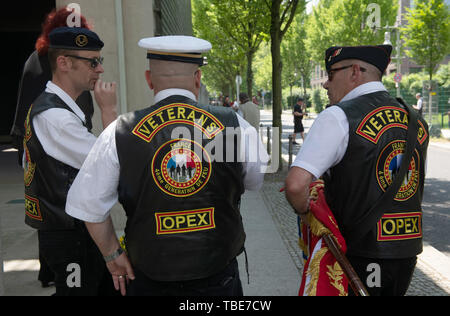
(56, 143)
(183, 231)
(298, 117)
(357, 145)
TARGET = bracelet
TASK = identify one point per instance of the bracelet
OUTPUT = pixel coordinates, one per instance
(114, 255)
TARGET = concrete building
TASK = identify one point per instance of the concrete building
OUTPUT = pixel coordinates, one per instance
(119, 23)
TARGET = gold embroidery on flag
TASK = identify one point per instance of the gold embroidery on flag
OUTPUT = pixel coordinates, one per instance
(335, 274)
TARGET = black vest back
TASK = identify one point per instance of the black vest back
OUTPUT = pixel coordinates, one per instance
(377, 140)
(47, 180)
(182, 203)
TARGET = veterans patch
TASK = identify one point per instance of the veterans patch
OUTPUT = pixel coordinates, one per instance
(184, 221)
(177, 113)
(399, 226)
(388, 165)
(181, 167)
(377, 122)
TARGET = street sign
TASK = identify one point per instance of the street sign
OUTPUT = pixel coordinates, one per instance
(238, 80)
(398, 77)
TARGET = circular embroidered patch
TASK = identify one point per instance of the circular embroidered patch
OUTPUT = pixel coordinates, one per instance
(388, 166)
(181, 167)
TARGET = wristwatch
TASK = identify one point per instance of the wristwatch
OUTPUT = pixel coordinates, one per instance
(114, 255)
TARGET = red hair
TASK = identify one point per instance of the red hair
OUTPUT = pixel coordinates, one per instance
(53, 20)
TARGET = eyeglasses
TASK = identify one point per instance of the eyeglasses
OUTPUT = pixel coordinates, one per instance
(94, 61)
(332, 71)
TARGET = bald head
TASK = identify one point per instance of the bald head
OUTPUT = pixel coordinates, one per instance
(170, 74)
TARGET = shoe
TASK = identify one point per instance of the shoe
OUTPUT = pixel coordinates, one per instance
(295, 143)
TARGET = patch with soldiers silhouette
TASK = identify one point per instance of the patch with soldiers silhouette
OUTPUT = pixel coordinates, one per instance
(389, 164)
(181, 167)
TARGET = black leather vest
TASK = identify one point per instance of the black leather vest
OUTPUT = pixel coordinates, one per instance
(47, 180)
(181, 197)
(377, 139)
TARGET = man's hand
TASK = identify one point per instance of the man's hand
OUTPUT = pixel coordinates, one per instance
(121, 271)
(105, 94)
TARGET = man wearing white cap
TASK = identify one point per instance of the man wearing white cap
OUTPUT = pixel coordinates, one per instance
(170, 167)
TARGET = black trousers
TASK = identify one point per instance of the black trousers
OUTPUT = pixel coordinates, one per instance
(388, 277)
(224, 283)
(76, 262)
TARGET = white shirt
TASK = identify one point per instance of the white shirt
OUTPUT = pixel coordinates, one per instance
(327, 140)
(419, 104)
(94, 191)
(62, 133)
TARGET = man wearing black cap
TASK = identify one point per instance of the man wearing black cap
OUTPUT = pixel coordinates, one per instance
(56, 144)
(170, 167)
(357, 145)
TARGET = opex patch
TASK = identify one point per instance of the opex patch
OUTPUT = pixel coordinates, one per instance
(32, 209)
(181, 167)
(184, 221)
(388, 165)
(377, 122)
(399, 226)
(177, 113)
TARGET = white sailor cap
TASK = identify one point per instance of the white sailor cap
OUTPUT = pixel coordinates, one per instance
(186, 49)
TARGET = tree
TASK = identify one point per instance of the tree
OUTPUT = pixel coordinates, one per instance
(233, 24)
(245, 22)
(282, 15)
(296, 60)
(427, 35)
(226, 59)
(347, 23)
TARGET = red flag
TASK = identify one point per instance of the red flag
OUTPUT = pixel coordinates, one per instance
(322, 274)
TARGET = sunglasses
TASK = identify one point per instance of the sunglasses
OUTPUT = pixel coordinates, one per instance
(331, 72)
(94, 61)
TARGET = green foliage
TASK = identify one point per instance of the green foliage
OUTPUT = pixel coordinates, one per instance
(226, 59)
(346, 22)
(263, 67)
(296, 60)
(236, 29)
(319, 100)
(443, 76)
(427, 33)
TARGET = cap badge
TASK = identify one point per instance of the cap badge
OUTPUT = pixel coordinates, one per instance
(335, 53)
(81, 40)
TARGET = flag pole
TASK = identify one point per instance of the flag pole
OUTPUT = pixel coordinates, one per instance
(353, 279)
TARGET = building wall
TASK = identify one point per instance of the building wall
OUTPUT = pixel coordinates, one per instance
(127, 66)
